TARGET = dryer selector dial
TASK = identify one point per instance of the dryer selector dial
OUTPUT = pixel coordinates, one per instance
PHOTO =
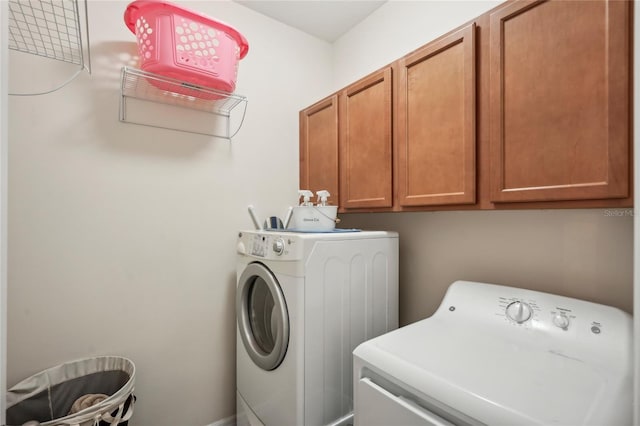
(519, 311)
(278, 246)
(561, 320)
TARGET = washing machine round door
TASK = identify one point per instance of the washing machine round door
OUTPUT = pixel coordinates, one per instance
(263, 320)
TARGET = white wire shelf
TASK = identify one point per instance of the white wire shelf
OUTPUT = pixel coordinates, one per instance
(144, 86)
(50, 28)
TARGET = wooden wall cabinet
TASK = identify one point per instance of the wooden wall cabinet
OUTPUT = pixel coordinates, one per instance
(527, 106)
(436, 122)
(319, 147)
(366, 179)
(559, 96)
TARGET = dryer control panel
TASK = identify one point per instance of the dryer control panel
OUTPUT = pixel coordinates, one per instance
(549, 311)
(538, 320)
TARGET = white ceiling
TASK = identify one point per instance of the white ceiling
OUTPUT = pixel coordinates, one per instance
(327, 20)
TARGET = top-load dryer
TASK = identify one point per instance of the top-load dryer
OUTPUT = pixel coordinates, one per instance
(304, 302)
(497, 355)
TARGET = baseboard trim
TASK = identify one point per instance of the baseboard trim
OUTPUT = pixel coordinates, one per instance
(227, 421)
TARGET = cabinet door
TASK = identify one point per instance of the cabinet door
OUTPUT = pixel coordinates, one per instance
(559, 91)
(436, 123)
(365, 143)
(319, 147)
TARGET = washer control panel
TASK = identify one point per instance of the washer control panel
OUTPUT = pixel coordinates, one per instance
(268, 246)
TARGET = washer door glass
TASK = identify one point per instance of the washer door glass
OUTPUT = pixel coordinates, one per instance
(263, 321)
(262, 315)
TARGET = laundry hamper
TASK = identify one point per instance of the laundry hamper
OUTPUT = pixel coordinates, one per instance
(184, 45)
(48, 398)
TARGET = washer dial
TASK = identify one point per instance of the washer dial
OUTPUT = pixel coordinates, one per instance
(278, 246)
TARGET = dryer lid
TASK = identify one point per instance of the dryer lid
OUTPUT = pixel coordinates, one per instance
(471, 356)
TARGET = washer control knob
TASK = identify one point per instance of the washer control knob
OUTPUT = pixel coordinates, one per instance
(240, 248)
(561, 320)
(278, 246)
(519, 311)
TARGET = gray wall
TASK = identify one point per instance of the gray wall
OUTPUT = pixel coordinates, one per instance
(3, 211)
(586, 254)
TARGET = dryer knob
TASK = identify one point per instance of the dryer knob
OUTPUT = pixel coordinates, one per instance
(519, 312)
(561, 320)
(278, 246)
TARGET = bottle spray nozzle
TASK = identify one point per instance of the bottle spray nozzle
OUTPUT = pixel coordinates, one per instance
(322, 197)
(306, 197)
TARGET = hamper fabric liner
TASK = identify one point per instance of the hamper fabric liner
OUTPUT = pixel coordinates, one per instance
(47, 397)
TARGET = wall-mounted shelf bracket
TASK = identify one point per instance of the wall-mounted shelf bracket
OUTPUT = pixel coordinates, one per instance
(215, 107)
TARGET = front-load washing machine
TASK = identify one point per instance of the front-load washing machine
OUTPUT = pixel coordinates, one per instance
(304, 302)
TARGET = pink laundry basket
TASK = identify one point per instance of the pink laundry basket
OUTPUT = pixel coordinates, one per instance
(187, 46)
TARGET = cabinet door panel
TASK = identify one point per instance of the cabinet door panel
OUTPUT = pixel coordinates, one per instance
(365, 143)
(319, 147)
(436, 117)
(559, 84)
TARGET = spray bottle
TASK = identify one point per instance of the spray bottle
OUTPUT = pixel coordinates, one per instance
(322, 197)
(306, 197)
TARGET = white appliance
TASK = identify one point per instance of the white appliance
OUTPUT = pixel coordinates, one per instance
(303, 303)
(498, 355)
